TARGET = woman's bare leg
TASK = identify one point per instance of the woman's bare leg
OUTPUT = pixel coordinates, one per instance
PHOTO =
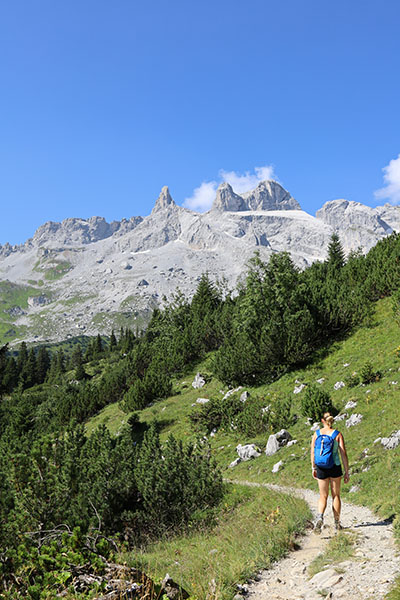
(336, 502)
(323, 485)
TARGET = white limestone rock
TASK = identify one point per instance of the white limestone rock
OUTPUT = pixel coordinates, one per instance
(202, 400)
(391, 442)
(247, 451)
(272, 445)
(277, 466)
(355, 419)
(338, 385)
(299, 388)
(198, 382)
(350, 404)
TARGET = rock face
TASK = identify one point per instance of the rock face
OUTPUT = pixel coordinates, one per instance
(358, 226)
(94, 271)
(270, 195)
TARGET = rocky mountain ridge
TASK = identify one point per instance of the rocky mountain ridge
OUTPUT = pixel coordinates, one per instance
(91, 276)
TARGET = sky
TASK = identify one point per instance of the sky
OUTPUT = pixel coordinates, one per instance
(103, 103)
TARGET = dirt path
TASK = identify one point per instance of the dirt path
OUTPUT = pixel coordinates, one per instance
(369, 575)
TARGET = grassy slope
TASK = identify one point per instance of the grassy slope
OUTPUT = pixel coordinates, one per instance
(12, 295)
(254, 529)
(377, 474)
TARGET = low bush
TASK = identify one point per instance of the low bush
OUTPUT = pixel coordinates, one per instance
(368, 375)
(352, 380)
(315, 402)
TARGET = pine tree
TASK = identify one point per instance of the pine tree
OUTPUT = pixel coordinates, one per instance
(336, 256)
(22, 357)
(43, 364)
(77, 363)
(3, 364)
(30, 369)
(98, 346)
(113, 342)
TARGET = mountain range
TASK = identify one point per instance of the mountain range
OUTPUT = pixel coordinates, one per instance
(87, 276)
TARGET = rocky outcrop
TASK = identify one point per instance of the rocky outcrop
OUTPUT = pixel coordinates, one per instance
(133, 263)
(163, 201)
(227, 200)
(270, 195)
(357, 225)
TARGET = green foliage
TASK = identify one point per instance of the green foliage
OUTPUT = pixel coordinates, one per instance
(352, 380)
(174, 482)
(254, 416)
(315, 402)
(42, 571)
(218, 413)
(368, 374)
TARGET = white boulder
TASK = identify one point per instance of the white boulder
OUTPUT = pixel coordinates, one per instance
(202, 400)
(247, 451)
(277, 466)
(299, 388)
(338, 385)
(350, 404)
(354, 420)
(198, 381)
(272, 445)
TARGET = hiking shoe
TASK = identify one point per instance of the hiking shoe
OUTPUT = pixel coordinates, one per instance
(338, 526)
(318, 525)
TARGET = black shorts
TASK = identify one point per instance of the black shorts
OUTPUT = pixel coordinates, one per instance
(335, 471)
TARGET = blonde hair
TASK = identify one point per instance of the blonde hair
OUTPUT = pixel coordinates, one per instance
(329, 420)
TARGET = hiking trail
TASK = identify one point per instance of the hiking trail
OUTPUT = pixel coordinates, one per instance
(369, 574)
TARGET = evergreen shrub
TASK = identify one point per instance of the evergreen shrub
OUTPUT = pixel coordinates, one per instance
(315, 402)
(368, 374)
(352, 380)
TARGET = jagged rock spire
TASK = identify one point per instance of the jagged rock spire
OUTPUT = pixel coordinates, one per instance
(226, 199)
(164, 200)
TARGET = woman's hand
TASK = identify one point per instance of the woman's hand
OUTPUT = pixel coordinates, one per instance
(346, 477)
(314, 472)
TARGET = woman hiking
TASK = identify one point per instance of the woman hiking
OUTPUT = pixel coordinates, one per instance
(326, 445)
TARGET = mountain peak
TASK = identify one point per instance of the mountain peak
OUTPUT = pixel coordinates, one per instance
(164, 200)
(270, 195)
(227, 199)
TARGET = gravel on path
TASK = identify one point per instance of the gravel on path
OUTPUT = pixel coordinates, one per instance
(368, 575)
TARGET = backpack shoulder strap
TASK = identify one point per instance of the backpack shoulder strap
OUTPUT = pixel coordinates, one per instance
(335, 434)
(318, 432)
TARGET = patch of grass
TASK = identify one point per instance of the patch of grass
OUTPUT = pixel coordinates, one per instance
(255, 528)
(57, 271)
(115, 320)
(339, 549)
(111, 416)
(394, 593)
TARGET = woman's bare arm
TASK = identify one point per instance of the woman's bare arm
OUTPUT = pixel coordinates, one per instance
(343, 453)
(312, 452)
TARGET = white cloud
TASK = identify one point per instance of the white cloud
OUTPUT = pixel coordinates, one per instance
(391, 177)
(204, 195)
(248, 181)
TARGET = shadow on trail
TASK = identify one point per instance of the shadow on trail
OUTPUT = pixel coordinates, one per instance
(384, 523)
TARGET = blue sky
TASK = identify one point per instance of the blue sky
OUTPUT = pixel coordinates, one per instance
(103, 103)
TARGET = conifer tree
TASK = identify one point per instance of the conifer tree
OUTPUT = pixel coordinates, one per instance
(98, 346)
(30, 369)
(22, 357)
(336, 256)
(43, 364)
(113, 342)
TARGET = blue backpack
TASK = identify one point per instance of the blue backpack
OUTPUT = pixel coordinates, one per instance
(323, 449)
